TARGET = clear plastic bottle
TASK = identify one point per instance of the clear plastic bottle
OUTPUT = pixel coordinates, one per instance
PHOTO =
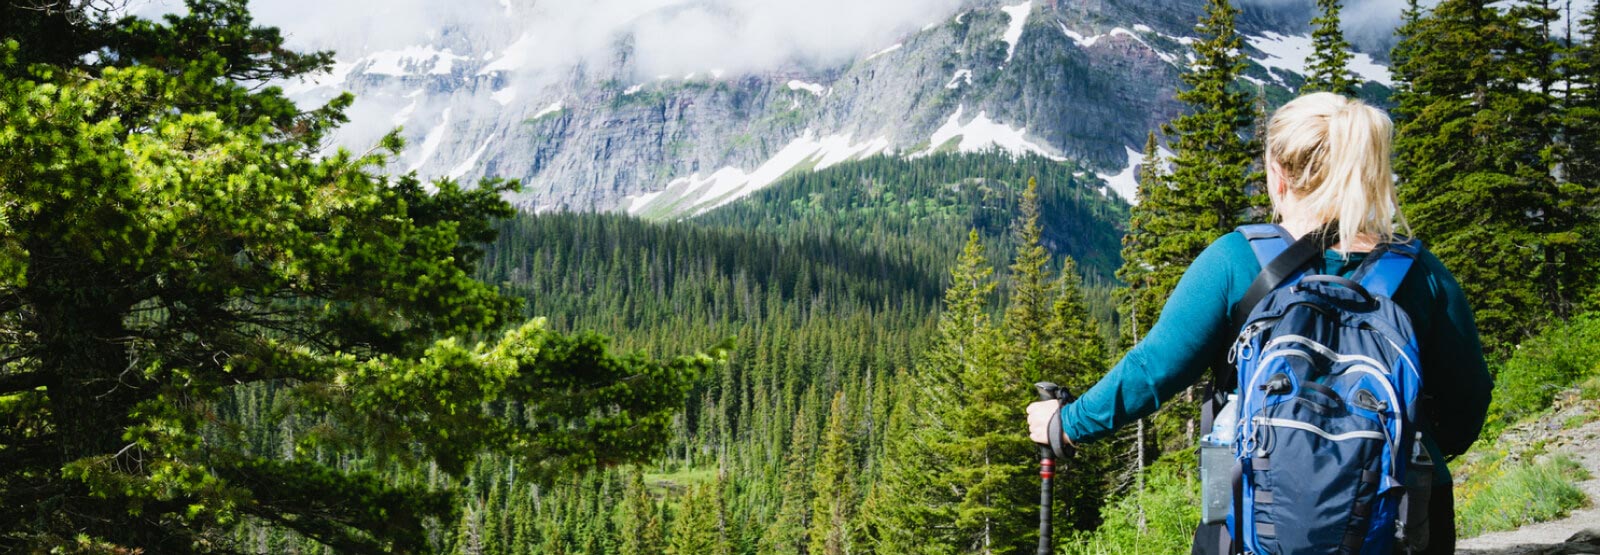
(1226, 421)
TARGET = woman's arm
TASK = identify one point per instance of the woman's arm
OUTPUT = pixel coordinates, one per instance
(1190, 334)
(1454, 372)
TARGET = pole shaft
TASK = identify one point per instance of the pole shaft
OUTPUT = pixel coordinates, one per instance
(1047, 472)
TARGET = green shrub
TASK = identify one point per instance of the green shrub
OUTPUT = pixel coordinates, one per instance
(1171, 501)
(1507, 494)
(1556, 359)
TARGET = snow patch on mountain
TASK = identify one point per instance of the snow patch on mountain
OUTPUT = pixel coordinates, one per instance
(514, 57)
(431, 141)
(813, 88)
(1082, 41)
(983, 134)
(1126, 183)
(1019, 18)
(471, 161)
(960, 76)
(637, 203)
(1290, 53)
(551, 109)
(504, 96)
(896, 46)
(697, 194)
(1087, 42)
(411, 60)
(404, 114)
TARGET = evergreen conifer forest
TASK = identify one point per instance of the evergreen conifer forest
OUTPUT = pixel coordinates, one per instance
(219, 335)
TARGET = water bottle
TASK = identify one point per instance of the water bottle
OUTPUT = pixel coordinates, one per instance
(1226, 422)
(1217, 464)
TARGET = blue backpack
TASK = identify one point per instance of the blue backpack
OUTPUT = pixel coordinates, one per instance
(1327, 440)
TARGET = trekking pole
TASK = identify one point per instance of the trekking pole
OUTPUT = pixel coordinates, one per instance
(1047, 467)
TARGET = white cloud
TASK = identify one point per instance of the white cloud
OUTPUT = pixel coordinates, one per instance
(670, 36)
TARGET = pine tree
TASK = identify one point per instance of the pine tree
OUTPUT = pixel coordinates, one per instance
(697, 529)
(1148, 221)
(174, 239)
(1213, 186)
(1473, 149)
(909, 508)
(1582, 125)
(640, 525)
(1330, 57)
(1580, 192)
(1213, 179)
(1029, 303)
(787, 532)
(833, 512)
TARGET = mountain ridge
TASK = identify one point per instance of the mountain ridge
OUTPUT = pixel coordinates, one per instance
(1082, 82)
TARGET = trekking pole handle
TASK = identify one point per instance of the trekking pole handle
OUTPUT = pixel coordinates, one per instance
(1047, 390)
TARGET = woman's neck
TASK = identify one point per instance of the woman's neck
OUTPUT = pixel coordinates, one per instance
(1298, 227)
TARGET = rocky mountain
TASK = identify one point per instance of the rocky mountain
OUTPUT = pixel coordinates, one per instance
(1068, 79)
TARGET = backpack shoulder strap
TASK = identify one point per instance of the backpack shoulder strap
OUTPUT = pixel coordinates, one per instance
(1267, 240)
(1280, 259)
(1387, 266)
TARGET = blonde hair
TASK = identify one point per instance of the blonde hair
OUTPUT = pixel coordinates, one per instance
(1335, 153)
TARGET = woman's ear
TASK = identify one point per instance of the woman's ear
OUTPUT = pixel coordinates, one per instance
(1275, 178)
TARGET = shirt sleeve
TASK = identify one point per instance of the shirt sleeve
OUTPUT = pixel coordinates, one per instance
(1189, 335)
(1455, 374)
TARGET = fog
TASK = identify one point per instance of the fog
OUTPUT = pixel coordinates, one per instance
(670, 36)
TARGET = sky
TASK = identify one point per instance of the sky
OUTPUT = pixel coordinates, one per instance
(672, 37)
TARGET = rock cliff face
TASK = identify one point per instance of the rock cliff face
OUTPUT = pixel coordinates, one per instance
(1084, 80)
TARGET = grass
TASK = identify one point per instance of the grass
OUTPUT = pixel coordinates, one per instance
(1498, 493)
(679, 480)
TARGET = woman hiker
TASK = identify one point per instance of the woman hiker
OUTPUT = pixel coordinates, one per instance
(1328, 168)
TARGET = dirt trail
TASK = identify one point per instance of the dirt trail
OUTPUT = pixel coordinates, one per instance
(1579, 532)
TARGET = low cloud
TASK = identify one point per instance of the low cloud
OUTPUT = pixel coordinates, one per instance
(670, 36)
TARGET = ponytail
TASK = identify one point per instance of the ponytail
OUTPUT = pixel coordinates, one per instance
(1335, 155)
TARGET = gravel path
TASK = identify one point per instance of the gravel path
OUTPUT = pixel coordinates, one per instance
(1579, 532)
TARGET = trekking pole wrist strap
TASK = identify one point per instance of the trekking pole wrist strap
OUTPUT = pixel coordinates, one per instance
(1059, 444)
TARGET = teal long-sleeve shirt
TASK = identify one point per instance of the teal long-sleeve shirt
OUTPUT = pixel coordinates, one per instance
(1192, 332)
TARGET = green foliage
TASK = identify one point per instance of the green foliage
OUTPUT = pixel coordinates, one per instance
(639, 520)
(698, 528)
(1148, 223)
(1169, 504)
(175, 249)
(1558, 358)
(834, 508)
(1330, 57)
(1477, 147)
(921, 209)
(1503, 494)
